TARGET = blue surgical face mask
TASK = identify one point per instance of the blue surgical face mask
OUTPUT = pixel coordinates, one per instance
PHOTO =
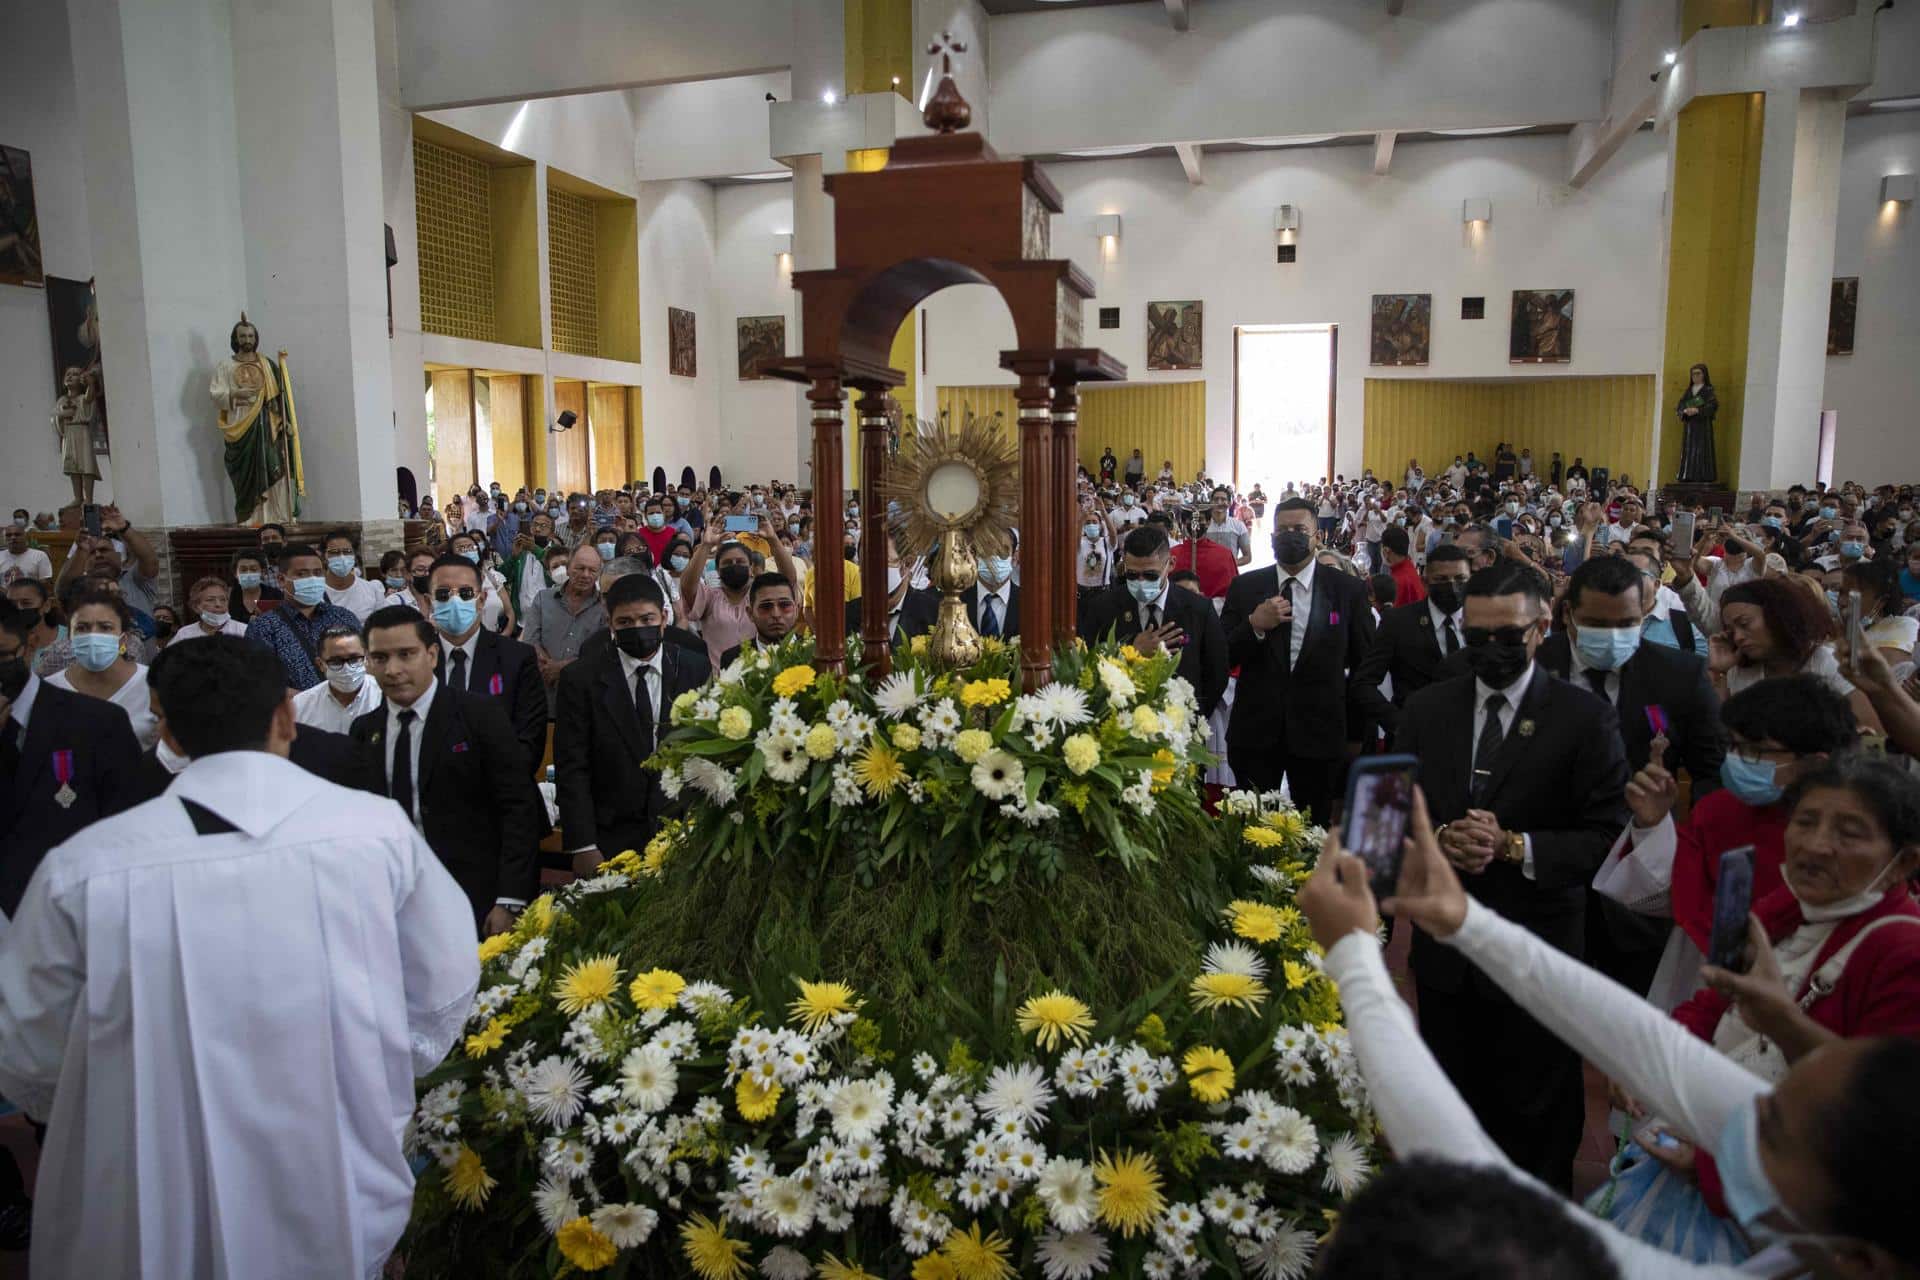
(454, 615)
(1751, 781)
(340, 566)
(247, 581)
(556, 513)
(655, 520)
(1607, 648)
(1829, 513)
(396, 584)
(520, 508)
(1773, 522)
(1147, 590)
(606, 549)
(679, 563)
(308, 591)
(471, 557)
(1853, 550)
(1091, 532)
(96, 652)
(995, 570)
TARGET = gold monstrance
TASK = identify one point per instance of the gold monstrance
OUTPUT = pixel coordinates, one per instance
(959, 491)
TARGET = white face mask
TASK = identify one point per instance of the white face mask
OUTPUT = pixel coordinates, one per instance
(1847, 907)
(215, 621)
(349, 678)
(893, 578)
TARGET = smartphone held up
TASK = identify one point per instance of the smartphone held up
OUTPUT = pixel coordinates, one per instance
(1379, 813)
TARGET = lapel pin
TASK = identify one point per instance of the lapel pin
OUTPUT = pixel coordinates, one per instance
(458, 747)
(1526, 728)
(1333, 619)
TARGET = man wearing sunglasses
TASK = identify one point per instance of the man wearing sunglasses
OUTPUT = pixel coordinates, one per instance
(1526, 774)
(475, 660)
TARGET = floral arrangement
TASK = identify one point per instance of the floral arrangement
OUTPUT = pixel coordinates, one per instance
(925, 762)
(608, 1114)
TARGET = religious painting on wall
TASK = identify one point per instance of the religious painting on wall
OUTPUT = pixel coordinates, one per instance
(762, 339)
(1402, 328)
(75, 320)
(1542, 330)
(1841, 312)
(680, 353)
(19, 225)
(1174, 335)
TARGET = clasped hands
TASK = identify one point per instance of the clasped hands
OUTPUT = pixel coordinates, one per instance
(1472, 842)
(1338, 900)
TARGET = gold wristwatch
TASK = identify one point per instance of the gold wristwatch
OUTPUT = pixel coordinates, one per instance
(1516, 850)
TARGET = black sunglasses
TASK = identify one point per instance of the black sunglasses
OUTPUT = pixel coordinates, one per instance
(1479, 636)
(444, 594)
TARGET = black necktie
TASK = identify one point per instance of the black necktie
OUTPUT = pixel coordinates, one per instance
(9, 748)
(457, 680)
(643, 706)
(990, 615)
(1286, 628)
(403, 763)
(1598, 679)
(1452, 646)
(1491, 736)
(1151, 617)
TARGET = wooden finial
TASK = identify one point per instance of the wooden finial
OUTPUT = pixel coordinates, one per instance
(947, 111)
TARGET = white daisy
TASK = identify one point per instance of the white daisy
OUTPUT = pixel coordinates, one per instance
(941, 721)
(784, 754)
(1286, 1255)
(627, 1225)
(788, 1206)
(924, 1066)
(898, 694)
(555, 1204)
(858, 1109)
(999, 775)
(1076, 1255)
(1234, 957)
(1066, 1188)
(1347, 1166)
(1295, 1070)
(1292, 1040)
(1020, 1093)
(1157, 1266)
(1292, 1142)
(1039, 737)
(784, 1262)
(556, 1090)
(649, 1078)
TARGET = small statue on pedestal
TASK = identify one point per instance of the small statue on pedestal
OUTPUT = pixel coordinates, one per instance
(254, 400)
(73, 419)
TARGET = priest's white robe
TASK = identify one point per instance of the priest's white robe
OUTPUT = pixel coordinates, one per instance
(222, 1031)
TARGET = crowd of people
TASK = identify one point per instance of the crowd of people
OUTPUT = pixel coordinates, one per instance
(1606, 692)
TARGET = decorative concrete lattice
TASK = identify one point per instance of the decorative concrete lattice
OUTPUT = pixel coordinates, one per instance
(571, 273)
(451, 198)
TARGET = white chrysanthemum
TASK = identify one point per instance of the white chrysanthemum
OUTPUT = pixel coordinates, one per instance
(788, 1206)
(1066, 1188)
(847, 791)
(998, 775)
(554, 1202)
(556, 1090)
(1295, 1040)
(627, 1225)
(1018, 1092)
(670, 783)
(1075, 1255)
(1234, 957)
(1286, 1255)
(784, 1262)
(1292, 1142)
(1295, 1070)
(858, 1109)
(698, 997)
(1063, 706)
(649, 1078)
(1347, 1166)
(897, 695)
(1119, 685)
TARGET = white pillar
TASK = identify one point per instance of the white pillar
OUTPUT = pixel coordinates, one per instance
(812, 251)
(1794, 230)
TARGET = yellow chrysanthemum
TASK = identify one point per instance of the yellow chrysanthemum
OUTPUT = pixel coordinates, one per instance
(1290, 824)
(822, 742)
(935, 1266)
(1298, 975)
(971, 744)
(491, 1037)
(468, 1181)
(984, 693)
(976, 1259)
(625, 863)
(1209, 1073)
(1082, 753)
(582, 1244)
(1263, 837)
(659, 849)
(879, 770)
(820, 1003)
(1131, 654)
(756, 1101)
(713, 1254)
(498, 944)
(656, 989)
(1129, 1196)
(1254, 921)
(793, 680)
(906, 737)
(919, 645)
(832, 1268)
(736, 723)
(1163, 767)
(587, 983)
(1146, 721)
(537, 918)
(1054, 1017)
(1228, 990)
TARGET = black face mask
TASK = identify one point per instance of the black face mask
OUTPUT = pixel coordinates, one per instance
(421, 582)
(1497, 664)
(541, 539)
(32, 619)
(734, 576)
(1292, 546)
(1446, 596)
(638, 642)
(13, 676)
(162, 628)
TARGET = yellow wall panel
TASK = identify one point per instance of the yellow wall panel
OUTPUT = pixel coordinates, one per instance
(570, 447)
(1161, 419)
(1608, 421)
(452, 432)
(507, 398)
(878, 45)
(573, 310)
(534, 397)
(454, 242)
(984, 402)
(516, 255)
(617, 254)
(609, 423)
(636, 437)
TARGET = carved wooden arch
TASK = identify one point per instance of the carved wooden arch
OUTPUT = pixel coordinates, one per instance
(946, 210)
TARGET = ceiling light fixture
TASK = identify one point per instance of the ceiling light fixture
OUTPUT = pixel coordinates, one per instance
(1482, 133)
(1672, 57)
(1094, 153)
(761, 177)
(1293, 140)
(828, 97)
(1895, 104)
(1792, 19)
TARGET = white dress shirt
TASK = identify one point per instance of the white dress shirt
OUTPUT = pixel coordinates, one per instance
(630, 668)
(195, 631)
(415, 732)
(1302, 605)
(131, 697)
(319, 708)
(1154, 612)
(469, 646)
(1445, 622)
(1000, 596)
(1513, 693)
(231, 1082)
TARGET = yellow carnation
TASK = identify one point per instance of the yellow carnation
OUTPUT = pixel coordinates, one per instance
(1146, 721)
(793, 680)
(583, 1245)
(821, 742)
(1263, 837)
(625, 863)
(971, 744)
(906, 737)
(1209, 1073)
(1082, 752)
(736, 723)
(683, 706)
(756, 1102)
(919, 645)
(659, 849)
(984, 693)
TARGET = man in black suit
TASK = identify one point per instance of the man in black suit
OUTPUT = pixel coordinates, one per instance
(911, 611)
(1295, 629)
(993, 603)
(1526, 776)
(450, 760)
(775, 610)
(601, 641)
(609, 713)
(1413, 642)
(483, 662)
(1603, 649)
(66, 760)
(1147, 611)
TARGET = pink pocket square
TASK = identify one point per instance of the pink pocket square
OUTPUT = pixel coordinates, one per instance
(1333, 619)
(495, 685)
(458, 747)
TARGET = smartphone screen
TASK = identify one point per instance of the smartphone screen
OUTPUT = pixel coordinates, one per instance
(1851, 604)
(1732, 901)
(742, 524)
(1379, 809)
(1683, 534)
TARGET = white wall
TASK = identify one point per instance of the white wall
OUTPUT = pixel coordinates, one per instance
(1360, 235)
(706, 129)
(40, 117)
(760, 433)
(1877, 388)
(677, 244)
(589, 135)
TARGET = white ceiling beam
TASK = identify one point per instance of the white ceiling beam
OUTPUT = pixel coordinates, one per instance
(1189, 153)
(1383, 151)
(1177, 14)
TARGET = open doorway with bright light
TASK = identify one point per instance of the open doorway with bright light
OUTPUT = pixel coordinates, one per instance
(1282, 404)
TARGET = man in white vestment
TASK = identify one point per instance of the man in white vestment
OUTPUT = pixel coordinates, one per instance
(219, 999)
